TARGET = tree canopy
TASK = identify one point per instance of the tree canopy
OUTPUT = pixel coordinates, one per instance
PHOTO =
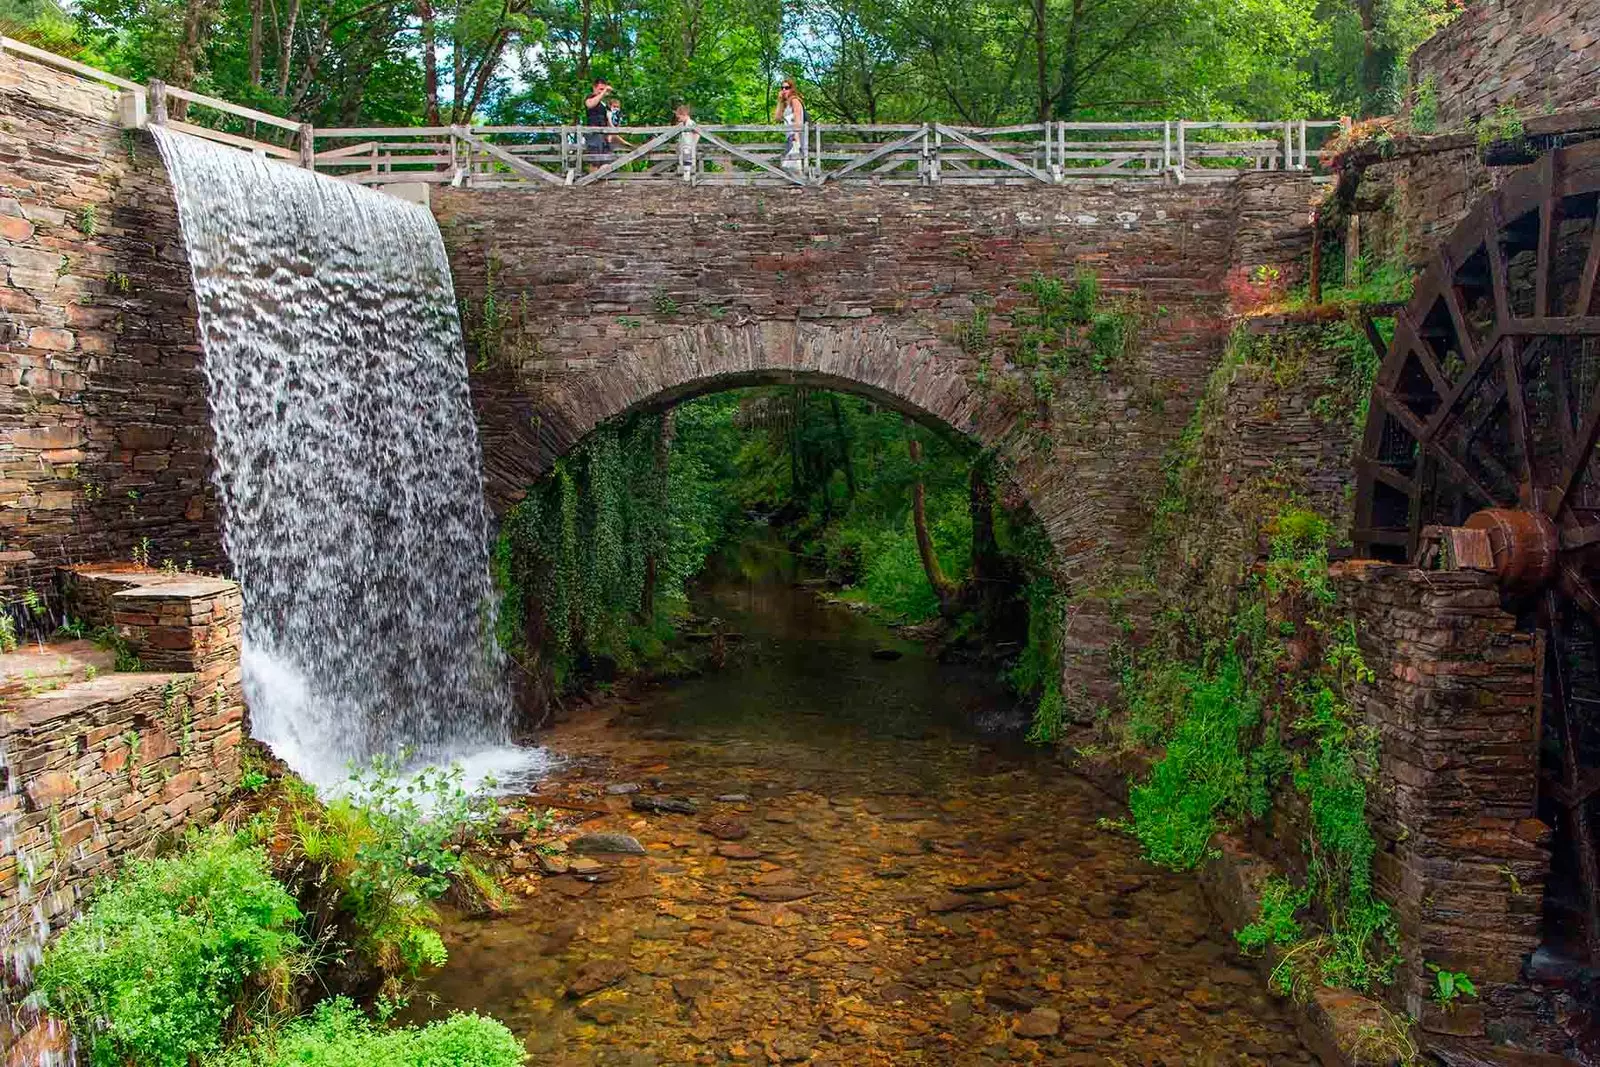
(972, 62)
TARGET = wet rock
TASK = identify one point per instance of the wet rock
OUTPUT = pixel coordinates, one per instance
(739, 852)
(521, 864)
(725, 828)
(777, 893)
(733, 798)
(949, 902)
(595, 975)
(622, 789)
(959, 1009)
(571, 887)
(887, 653)
(1040, 1022)
(659, 805)
(690, 988)
(784, 817)
(1010, 999)
(550, 864)
(890, 872)
(607, 843)
(607, 1011)
(988, 886)
(583, 865)
(789, 1050)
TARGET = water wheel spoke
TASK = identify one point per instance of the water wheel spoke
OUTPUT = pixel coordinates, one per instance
(1521, 432)
(1578, 455)
(1476, 365)
(1549, 220)
(1499, 271)
(1591, 271)
(1420, 348)
(1563, 394)
(1579, 537)
(1458, 316)
(1582, 832)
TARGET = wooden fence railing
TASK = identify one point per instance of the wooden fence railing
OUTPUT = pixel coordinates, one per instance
(818, 154)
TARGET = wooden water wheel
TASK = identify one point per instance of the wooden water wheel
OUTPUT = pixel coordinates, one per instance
(1485, 415)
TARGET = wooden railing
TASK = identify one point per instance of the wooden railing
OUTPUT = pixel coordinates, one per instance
(817, 154)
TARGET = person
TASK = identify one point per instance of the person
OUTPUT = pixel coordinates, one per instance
(614, 120)
(791, 112)
(596, 114)
(688, 142)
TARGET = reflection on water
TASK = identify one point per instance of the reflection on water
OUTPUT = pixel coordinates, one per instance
(866, 879)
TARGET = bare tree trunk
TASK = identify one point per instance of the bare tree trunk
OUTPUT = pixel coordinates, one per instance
(430, 61)
(919, 521)
(255, 44)
(1041, 56)
(583, 49)
(286, 48)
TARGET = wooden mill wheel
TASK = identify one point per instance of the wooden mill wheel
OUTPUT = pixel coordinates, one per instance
(1486, 414)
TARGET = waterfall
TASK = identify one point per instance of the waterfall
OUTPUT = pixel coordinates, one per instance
(346, 463)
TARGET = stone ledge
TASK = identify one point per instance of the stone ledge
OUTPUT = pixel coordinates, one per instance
(78, 698)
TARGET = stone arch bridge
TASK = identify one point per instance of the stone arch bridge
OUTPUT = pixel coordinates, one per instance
(581, 307)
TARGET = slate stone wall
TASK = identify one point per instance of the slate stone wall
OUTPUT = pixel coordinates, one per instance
(101, 766)
(104, 427)
(1535, 55)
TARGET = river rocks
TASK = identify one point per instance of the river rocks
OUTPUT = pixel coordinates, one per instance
(607, 843)
(948, 902)
(551, 864)
(584, 866)
(1040, 1022)
(885, 653)
(990, 885)
(659, 805)
(725, 828)
(733, 798)
(777, 893)
(595, 975)
(739, 852)
(621, 789)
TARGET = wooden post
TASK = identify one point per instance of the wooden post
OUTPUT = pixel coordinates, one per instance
(938, 150)
(1303, 145)
(158, 101)
(1352, 250)
(1183, 160)
(308, 146)
(925, 164)
(1166, 147)
(1288, 146)
(1314, 284)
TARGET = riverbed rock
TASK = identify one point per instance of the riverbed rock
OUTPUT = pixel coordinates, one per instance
(739, 852)
(659, 805)
(607, 843)
(551, 864)
(777, 893)
(725, 828)
(733, 798)
(595, 975)
(622, 789)
(988, 885)
(1040, 1022)
(948, 902)
(584, 866)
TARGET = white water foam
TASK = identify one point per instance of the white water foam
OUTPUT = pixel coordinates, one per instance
(347, 465)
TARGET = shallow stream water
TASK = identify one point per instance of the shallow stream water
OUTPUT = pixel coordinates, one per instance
(879, 883)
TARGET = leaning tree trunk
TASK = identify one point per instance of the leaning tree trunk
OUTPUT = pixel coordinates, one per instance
(919, 520)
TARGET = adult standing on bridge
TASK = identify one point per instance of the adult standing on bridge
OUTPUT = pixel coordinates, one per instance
(791, 111)
(597, 115)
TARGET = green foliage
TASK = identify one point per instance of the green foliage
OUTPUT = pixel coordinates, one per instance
(1504, 125)
(151, 971)
(1425, 105)
(1065, 326)
(1450, 986)
(337, 1034)
(1275, 923)
(8, 633)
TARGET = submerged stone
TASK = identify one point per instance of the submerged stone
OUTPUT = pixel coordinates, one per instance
(607, 842)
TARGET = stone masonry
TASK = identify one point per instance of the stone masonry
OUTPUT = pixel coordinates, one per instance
(642, 297)
(104, 764)
(1535, 55)
(1462, 859)
(104, 431)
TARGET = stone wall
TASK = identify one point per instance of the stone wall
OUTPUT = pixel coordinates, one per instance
(1462, 859)
(96, 764)
(104, 428)
(1413, 199)
(606, 300)
(1536, 55)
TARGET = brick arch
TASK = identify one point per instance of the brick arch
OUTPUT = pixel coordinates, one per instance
(527, 424)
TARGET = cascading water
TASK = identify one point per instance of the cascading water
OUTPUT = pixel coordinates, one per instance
(347, 465)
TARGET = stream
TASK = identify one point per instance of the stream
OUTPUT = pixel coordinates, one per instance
(868, 878)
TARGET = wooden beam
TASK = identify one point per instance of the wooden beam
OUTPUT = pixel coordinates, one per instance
(1521, 432)
(515, 165)
(872, 157)
(999, 157)
(739, 153)
(638, 153)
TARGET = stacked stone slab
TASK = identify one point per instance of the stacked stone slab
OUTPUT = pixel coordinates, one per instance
(100, 768)
(1463, 860)
(104, 433)
(1535, 55)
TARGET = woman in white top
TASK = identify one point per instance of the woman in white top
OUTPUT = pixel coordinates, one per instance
(688, 141)
(791, 111)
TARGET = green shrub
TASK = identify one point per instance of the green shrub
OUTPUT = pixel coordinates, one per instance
(151, 971)
(1276, 924)
(336, 1034)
